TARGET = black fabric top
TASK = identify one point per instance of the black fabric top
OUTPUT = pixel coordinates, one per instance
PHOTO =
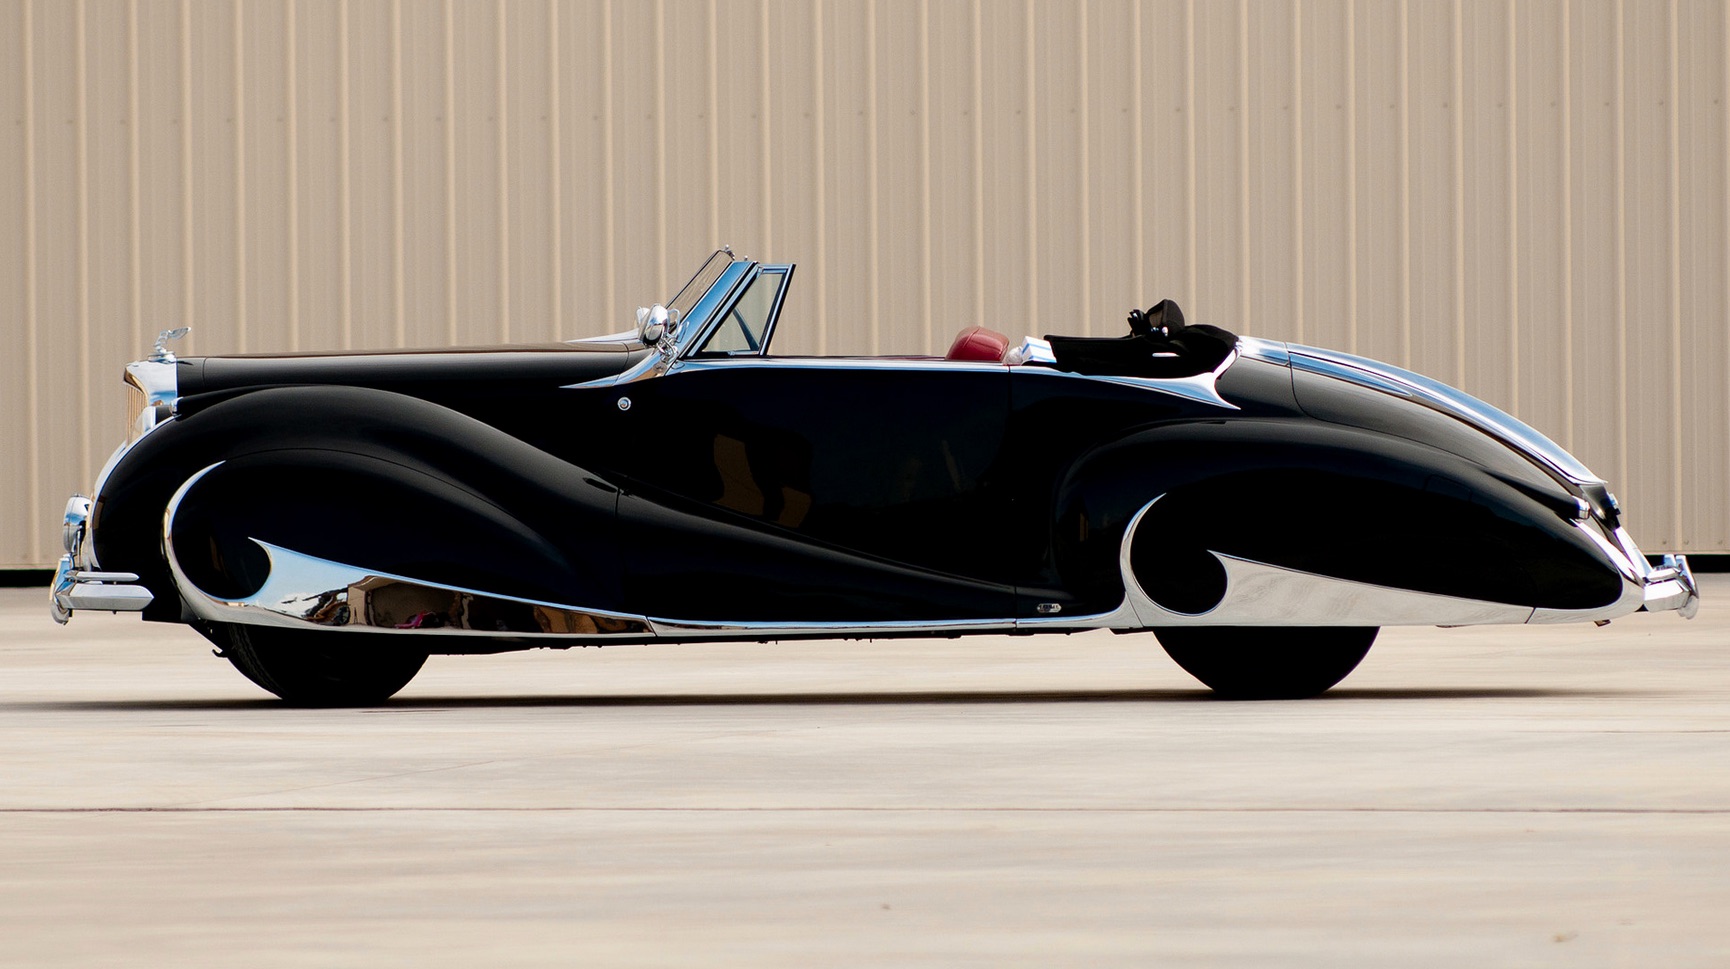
(1159, 345)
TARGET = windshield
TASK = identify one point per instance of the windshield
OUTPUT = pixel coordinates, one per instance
(700, 282)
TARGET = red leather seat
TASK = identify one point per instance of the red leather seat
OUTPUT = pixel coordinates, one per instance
(978, 343)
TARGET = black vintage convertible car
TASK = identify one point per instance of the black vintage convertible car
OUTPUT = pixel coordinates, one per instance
(328, 520)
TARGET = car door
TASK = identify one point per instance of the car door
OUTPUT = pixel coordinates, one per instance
(834, 490)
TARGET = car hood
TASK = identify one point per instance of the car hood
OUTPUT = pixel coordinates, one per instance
(420, 373)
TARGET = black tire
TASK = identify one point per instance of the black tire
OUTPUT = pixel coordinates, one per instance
(310, 668)
(1268, 662)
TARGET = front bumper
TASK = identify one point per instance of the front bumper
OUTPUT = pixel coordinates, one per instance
(76, 587)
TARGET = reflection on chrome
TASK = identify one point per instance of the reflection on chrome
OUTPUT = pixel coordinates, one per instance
(1398, 382)
(304, 590)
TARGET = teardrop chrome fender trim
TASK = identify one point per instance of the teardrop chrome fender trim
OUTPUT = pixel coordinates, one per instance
(1260, 594)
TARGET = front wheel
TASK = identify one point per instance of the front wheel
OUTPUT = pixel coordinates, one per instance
(318, 669)
(1268, 662)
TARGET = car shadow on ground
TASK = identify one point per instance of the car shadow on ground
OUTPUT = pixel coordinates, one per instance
(837, 698)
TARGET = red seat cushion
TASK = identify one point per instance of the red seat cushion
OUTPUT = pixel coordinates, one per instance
(978, 343)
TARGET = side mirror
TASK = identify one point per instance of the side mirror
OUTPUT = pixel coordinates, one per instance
(655, 323)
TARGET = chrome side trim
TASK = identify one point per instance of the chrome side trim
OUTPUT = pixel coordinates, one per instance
(1200, 387)
(307, 592)
(688, 629)
(701, 364)
(1266, 351)
(1259, 594)
(304, 591)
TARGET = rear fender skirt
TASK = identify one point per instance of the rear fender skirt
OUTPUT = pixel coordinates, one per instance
(1302, 498)
(1258, 594)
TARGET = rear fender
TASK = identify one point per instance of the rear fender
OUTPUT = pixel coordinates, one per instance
(1331, 501)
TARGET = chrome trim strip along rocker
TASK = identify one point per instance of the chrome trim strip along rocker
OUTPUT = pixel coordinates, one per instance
(303, 590)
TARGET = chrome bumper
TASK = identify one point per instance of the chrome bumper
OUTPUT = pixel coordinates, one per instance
(1670, 586)
(77, 588)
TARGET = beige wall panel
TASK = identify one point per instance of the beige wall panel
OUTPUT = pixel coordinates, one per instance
(1322, 94)
(216, 294)
(107, 227)
(321, 278)
(1382, 198)
(691, 161)
(265, 173)
(1165, 217)
(1008, 175)
(1275, 256)
(1542, 315)
(1224, 277)
(584, 170)
(1704, 269)
(1488, 327)
(637, 62)
(1528, 199)
(1598, 344)
(955, 219)
(372, 174)
(743, 198)
(899, 152)
(60, 360)
(483, 307)
(1108, 167)
(162, 231)
(529, 191)
(424, 180)
(1433, 115)
(1059, 240)
(17, 321)
(850, 302)
(1649, 218)
(794, 90)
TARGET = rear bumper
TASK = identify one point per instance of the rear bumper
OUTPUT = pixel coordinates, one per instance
(77, 588)
(1670, 587)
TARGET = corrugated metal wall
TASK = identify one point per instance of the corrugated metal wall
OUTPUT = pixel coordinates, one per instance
(1528, 199)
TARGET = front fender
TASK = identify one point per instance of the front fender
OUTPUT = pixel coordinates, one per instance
(363, 476)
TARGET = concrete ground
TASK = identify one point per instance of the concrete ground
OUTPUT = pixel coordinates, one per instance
(1469, 797)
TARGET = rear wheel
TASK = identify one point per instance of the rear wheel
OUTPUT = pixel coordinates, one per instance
(318, 669)
(1268, 662)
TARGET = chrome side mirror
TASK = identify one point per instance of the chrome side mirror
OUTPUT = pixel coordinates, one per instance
(655, 324)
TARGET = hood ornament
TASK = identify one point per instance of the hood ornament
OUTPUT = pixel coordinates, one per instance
(161, 353)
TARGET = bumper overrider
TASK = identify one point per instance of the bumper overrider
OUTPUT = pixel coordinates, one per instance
(1671, 586)
(76, 587)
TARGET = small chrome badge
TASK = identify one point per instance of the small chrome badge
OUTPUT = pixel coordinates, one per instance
(1048, 608)
(624, 403)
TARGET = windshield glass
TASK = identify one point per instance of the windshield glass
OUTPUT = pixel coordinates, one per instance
(700, 282)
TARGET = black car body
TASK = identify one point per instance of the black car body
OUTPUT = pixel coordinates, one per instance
(330, 519)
